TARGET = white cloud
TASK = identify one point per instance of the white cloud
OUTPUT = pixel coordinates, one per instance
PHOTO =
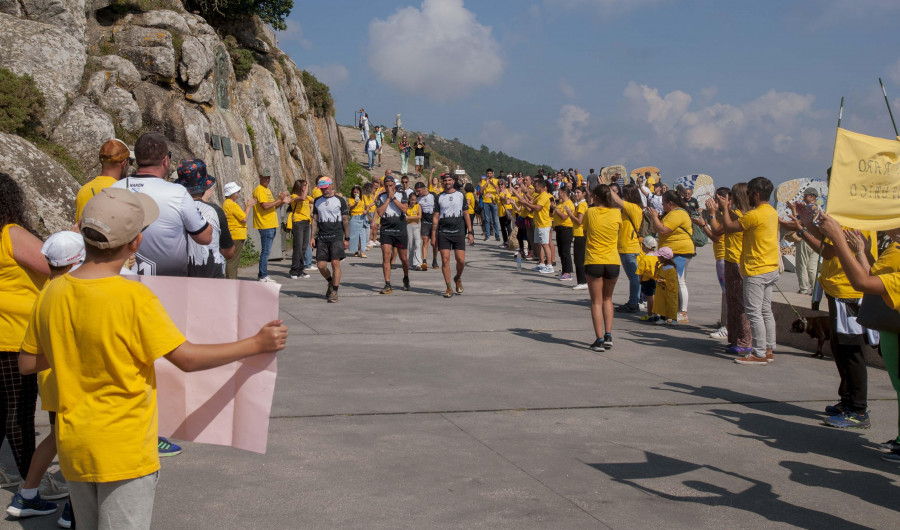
(294, 34)
(567, 89)
(893, 72)
(451, 55)
(496, 134)
(575, 125)
(330, 74)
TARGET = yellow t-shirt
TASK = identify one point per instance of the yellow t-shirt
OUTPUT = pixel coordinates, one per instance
(102, 365)
(301, 210)
(601, 227)
(734, 243)
(264, 218)
(559, 221)
(358, 207)
(502, 197)
(524, 211)
(489, 191)
(237, 220)
(647, 267)
(719, 249)
(413, 211)
(435, 189)
(542, 216)
(679, 239)
(834, 280)
(470, 199)
(665, 303)
(632, 217)
(20, 287)
(580, 209)
(316, 193)
(89, 190)
(887, 268)
(761, 252)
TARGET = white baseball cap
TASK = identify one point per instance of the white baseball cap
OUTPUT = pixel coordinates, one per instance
(231, 188)
(63, 249)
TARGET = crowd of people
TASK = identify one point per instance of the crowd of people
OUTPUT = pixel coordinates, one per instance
(584, 230)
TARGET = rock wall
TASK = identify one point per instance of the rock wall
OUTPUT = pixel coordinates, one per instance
(111, 70)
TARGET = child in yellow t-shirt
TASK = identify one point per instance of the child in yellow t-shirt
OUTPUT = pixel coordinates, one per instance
(106, 428)
(665, 303)
(647, 263)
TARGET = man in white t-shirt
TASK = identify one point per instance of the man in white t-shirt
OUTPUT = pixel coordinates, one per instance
(164, 250)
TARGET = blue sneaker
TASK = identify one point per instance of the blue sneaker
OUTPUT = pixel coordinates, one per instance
(167, 448)
(67, 519)
(849, 420)
(837, 409)
(22, 507)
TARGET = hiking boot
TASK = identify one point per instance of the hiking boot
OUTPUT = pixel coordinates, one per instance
(849, 420)
(387, 289)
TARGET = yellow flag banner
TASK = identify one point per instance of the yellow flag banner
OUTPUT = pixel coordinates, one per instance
(864, 192)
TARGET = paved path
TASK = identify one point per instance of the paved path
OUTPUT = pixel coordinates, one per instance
(487, 411)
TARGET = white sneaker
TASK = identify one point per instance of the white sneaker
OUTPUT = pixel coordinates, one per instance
(547, 269)
(51, 489)
(266, 279)
(642, 306)
(720, 333)
(8, 478)
(580, 287)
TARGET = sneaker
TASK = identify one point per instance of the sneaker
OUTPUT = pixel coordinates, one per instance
(459, 285)
(738, 350)
(486, 238)
(434, 264)
(627, 308)
(598, 345)
(66, 520)
(387, 289)
(890, 445)
(300, 276)
(565, 277)
(642, 306)
(752, 360)
(266, 279)
(8, 478)
(672, 323)
(770, 357)
(52, 489)
(661, 321)
(849, 420)
(329, 290)
(893, 456)
(646, 318)
(424, 267)
(539, 267)
(607, 341)
(167, 448)
(22, 507)
(720, 333)
(580, 287)
(363, 255)
(547, 269)
(333, 297)
(683, 317)
(502, 245)
(406, 284)
(836, 410)
(448, 293)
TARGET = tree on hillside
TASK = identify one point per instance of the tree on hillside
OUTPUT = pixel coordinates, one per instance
(272, 12)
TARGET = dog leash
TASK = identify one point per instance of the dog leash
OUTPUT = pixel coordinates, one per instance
(789, 303)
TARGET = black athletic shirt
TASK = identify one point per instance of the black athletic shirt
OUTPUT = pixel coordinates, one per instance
(451, 208)
(329, 213)
(393, 220)
(420, 148)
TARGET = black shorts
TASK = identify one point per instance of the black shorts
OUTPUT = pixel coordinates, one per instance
(395, 240)
(329, 250)
(648, 287)
(606, 271)
(451, 241)
(427, 229)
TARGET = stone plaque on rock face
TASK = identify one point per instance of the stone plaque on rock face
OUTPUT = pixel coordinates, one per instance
(214, 142)
(221, 77)
(240, 150)
(226, 146)
(249, 153)
(207, 137)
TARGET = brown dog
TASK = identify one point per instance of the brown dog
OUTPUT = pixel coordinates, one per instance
(817, 328)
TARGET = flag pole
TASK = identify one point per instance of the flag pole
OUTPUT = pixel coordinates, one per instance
(888, 103)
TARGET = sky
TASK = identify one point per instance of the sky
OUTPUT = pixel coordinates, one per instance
(727, 88)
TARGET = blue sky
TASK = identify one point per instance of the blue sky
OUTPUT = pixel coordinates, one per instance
(731, 89)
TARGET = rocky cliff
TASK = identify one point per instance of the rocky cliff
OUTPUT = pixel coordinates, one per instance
(118, 69)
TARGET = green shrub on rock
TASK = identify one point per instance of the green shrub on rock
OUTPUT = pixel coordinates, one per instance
(21, 103)
(242, 59)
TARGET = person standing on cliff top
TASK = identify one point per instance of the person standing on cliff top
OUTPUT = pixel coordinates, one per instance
(420, 156)
(116, 159)
(362, 125)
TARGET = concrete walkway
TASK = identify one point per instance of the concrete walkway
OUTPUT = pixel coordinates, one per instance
(488, 411)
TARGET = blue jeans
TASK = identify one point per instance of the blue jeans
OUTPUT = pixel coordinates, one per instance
(629, 265)
(358, 234)
(266, 237)
(489, 214)
(371, 159)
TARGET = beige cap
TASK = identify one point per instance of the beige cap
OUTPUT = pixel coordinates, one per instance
(118, 214)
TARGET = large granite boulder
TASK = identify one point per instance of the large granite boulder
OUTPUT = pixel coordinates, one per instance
(149, 49)
(120, 104)
(160, 19)
(82, 130)
(65, 14)
(54, 57)
(49, 189)
(126, 75)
